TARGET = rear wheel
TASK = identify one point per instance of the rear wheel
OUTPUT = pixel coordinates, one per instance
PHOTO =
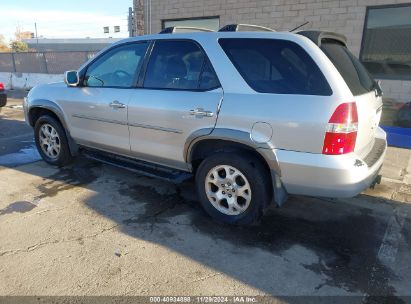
(51, 141)
(233, 188)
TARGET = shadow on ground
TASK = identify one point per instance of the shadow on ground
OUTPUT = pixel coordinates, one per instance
(344, 238)
(16, 141)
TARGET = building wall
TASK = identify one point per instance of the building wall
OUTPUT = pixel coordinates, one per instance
(342, 16)
(26, 81)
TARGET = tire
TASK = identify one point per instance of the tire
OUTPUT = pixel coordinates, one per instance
(58, 138)
(246, 207)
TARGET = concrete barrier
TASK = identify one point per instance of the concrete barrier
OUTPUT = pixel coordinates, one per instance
(26, 81)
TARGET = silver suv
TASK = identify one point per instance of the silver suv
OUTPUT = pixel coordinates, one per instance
(254, 116)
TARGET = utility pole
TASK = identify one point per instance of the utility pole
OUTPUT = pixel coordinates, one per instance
(139, 17)
(147, 17)
(37, 37)
(130, 22)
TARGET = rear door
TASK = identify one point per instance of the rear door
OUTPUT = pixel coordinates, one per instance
(363, 87)
(180, 94)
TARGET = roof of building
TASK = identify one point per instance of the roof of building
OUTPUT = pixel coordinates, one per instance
(70, 40)
(70, 44)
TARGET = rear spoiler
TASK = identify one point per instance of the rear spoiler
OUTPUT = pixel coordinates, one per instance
(318, 36)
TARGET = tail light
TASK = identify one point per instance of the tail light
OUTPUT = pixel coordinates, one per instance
(341, 132)
(1, 86)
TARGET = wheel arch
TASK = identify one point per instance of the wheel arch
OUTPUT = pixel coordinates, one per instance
(42, 105)
(206, 141)
(38, 108)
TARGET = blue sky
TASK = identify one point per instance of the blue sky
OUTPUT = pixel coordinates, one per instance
(64, 19)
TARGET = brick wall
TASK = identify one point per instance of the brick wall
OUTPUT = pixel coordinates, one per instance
(342, 16)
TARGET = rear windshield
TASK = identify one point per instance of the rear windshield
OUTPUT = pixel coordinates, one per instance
(276, 66)
(351, 69)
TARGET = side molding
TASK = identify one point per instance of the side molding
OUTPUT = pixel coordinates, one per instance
(280, 195)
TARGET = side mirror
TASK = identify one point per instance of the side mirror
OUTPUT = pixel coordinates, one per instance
(71, 78)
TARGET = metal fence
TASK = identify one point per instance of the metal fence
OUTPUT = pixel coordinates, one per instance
(43, 62)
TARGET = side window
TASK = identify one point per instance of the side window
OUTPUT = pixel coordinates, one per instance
(208, 78)
(175, 65)
(276, 66)
(116, 68)
(350, 68)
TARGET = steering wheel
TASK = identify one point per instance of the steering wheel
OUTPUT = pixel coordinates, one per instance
(121, 74)
(121, 78)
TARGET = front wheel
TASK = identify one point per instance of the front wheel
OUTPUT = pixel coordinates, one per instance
(51, 141)
(233, 188)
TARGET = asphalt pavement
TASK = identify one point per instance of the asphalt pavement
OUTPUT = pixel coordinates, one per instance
(93, 229)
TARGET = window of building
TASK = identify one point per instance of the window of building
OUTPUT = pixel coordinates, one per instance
(212, 23)
(116, 68)
(276, 66)
(386, 45)
(180, 65)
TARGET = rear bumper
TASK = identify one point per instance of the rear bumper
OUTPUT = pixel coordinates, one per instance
(331, 175)
(3, 99)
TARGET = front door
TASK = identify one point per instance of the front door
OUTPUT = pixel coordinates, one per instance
(180, 95)
(97, 109)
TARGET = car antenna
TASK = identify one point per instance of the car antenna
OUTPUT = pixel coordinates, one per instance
(301, 25)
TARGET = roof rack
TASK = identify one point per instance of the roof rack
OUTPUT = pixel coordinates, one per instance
(245, 28)
(183, 29)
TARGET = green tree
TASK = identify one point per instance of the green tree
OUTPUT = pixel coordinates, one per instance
(19, 46)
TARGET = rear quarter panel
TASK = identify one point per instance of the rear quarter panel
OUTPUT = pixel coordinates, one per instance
(298, 121)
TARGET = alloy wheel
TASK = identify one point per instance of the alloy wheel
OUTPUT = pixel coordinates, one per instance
(228, 190)
(49, 141)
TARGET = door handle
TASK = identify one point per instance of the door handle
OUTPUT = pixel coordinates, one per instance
(117, 105)
(201, 112)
